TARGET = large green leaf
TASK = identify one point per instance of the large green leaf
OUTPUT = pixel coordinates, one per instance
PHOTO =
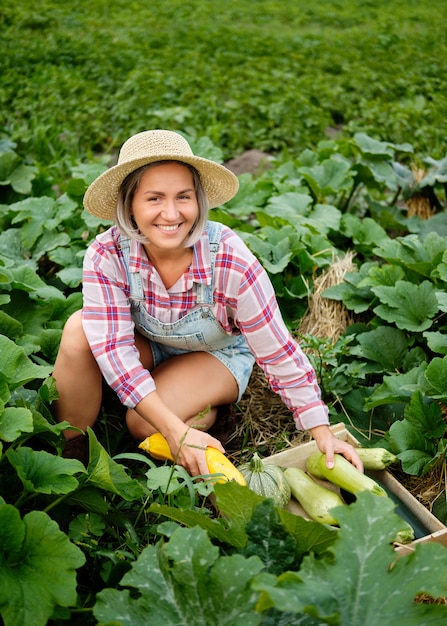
(354, 296)
(385, 345)
(436, 341)
(14, 421)
(184, 582)
(37, 567)
(16, 367)
(409, 306)
(436, 377)
(362, 585)
(397, 387)
(42, 472)
(419, 255)
(365, 233)
(329, 177)
(274, 251)
(105, 473)
(415, 438)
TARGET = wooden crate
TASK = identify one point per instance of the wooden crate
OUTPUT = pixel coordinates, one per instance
(426, 525)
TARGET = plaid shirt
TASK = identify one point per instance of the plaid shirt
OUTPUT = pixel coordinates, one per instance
(244, 302)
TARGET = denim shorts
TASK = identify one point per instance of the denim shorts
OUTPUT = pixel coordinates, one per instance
(237, 358)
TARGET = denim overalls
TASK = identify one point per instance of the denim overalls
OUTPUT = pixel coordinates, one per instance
(198, 330)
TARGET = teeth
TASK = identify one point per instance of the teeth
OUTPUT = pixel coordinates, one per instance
(168, 227)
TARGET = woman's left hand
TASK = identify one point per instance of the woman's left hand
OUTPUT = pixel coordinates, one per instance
(329, 444)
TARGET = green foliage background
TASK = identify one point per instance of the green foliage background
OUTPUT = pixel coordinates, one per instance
(80, 77)
(87, 545)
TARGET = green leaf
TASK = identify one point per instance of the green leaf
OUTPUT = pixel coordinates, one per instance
(289, 206)
(16, 367)
(9, 326)
(419, 255)
(71, 276)
(218, 529)
(37, 567)
(49, 340)
(369, 145)
(364, 232)
(350, 292)
(382, 275)
(426, 416)
(414, 439)
(363, 583)
(385, 345)
(332, 176)
(275, 252)
(14, 421)
(436, 341)
(269, 540)
(42, 472)
(436, 377)
(409, 306)
(22, 177)
(107, 475)
(397, 388)
(184, 582)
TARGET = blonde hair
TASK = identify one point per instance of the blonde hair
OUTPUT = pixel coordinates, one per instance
(123, 216)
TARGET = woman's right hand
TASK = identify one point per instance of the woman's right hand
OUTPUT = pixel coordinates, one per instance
(189, 449)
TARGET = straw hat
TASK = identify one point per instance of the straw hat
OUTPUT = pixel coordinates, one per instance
(219, 183)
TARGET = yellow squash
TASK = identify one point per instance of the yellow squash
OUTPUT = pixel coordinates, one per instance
(157, 446)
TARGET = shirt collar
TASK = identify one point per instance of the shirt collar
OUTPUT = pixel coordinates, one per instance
(201, 261)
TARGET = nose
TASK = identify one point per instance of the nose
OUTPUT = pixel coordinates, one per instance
(170, 211)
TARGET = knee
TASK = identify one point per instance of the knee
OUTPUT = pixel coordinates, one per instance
(73, 338)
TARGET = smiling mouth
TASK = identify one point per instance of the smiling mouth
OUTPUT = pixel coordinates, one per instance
(168, 229)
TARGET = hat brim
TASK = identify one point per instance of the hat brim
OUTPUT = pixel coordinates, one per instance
(219, 183)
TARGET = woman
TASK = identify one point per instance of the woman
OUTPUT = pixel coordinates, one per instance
(176, 309)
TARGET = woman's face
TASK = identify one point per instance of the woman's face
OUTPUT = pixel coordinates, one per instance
(165, 206)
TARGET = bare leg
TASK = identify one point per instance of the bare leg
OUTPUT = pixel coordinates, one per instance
(189, 383)
(78, 379)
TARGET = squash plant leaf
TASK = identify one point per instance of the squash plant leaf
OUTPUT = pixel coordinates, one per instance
(415, 438)
(184, 582)
(365, 233)
(37, 567)
(397, 388)
(16, 367)
(363, 583)
(274, 252)
(354, 294)
(419, 255)
(385, 345)
(329, 177)
(436, 376)
(269, 540)
(425, 416)
(409, 306)
(436, 341)
(105, 473)
(42, 472)
(14, 421)
(218, 529)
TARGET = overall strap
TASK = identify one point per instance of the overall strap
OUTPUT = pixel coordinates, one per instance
(205, 292)
(134, 278)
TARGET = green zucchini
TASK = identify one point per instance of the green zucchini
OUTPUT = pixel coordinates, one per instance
(316, 500)
(376, 458)
(348, 477)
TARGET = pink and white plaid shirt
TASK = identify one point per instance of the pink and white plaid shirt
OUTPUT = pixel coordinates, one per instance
(245, 302)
